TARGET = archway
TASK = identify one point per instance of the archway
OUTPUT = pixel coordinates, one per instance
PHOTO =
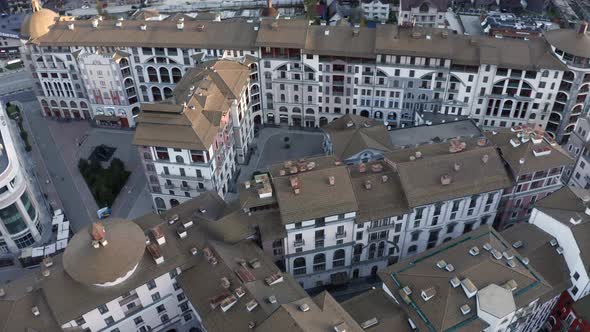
(365, 113)
(257, 119)
(160, 203)
(174, 202)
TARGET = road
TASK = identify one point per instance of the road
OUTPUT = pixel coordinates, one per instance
(60, 175)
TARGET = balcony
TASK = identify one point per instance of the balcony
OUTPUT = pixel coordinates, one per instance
(169, 186)
(133, 310)
(341, 235)
(128, 299)
(185, 188)
(299, 243)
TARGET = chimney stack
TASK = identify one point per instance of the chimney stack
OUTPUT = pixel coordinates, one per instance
(331, 180)
(485, 158)
(445, 179)
(98, 234)
(457, 167)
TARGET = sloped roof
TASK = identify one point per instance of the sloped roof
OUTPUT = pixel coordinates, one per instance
(351, 134)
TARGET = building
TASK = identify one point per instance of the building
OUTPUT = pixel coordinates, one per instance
(376, 10)
(341, 222)
(307, 75)
(536, 164)
(578, 175)
(9, 36)
(508, 25)
(570, 46)
(190, 268)
(21, 225)
(192, 142)
(569, 315)
(423, 13)
(475, 282)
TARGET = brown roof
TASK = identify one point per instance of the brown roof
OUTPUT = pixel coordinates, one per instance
(38, 23)
(92, 266)
(282, 33)
(442, 312)
(383, 199)
(324, 314)
(565, 204)
(324, 40)
(351, 134)
(377, 304)
(421, 179)
(202, 283)
(542, 256)
(570, 41)
(231, 35)
(513, 155)
(16, 314)
(317, 198)
(208, 92)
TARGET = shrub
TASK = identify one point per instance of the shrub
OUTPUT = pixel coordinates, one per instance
(105, 184)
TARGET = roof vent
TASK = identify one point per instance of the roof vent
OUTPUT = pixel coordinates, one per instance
(274, 279)
(525, 261)
(95, 23)
(181, 231)
(173, 219)
(496, 253)
(418, 154)
(457, 145)
(368, 185)
(194, 251)
(428, 293)
(521, 161)
(559, 250)
(412, 324)
(510, 285)
(369, 323)
(180, 25)
(465, 309)
(143, 27)
(45, 272)
(342, 327)
(70, 26)
(327, 33)
(384, 178)
(355, 32)
(445, 179)
(587, 211)
(485, 158)
(511, 263)
(474, 251)
(295, 184)
(407, 290)
(2, 292)
(412, 158)
(450, 268)
(515, 142)
(254, 263)
(455, 282)
(331, 180)
(553, 242)
(158, 235)
(349, 124)
(47, 261)
(272, 299)
(225, 283)
(468, 287)
(251, 305)
(35, 311)
(518, 244)
(200, 27)
(457, 167)
(304, 307)
(507, 255)
(119, 24)
(251, 324)
(482, 141)
(154, 250)
(441, 264)
(540, 151)
(576, 219)
(487, 246)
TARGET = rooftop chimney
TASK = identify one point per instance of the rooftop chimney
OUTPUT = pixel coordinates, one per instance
(98, 234)
(457, 167)
(180, 25)
(482, 141)
(368, 185)
(304, 307)
(70, 26)
(95, 23)
(331, 180)
(445, 179)
(362, 167)
(485, 158)
(143, 27)
(35, 311)
(154, 250)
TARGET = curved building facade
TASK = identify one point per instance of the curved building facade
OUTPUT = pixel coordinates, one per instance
(20, 224)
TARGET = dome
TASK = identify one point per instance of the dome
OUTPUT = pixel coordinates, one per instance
(108, 263)
(38, 22)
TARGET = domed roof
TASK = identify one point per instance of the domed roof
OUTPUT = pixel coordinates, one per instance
(38, 22)
(108, 263)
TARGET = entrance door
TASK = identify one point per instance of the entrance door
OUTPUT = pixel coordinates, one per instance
(124, 122)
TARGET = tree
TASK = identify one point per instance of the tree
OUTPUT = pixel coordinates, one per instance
(310, 9)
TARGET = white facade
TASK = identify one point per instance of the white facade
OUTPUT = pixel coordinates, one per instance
(376, 10)
(20, 222)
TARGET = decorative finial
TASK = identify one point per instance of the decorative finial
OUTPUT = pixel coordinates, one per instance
(35, 5)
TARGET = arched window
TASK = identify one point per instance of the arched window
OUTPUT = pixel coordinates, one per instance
(319, 262)
(338, 259)
(283, 97)
(160, 203)
(296, 98)
(152, 74)
(296, 110)
(176, 75)
(372, 249)
(83, 104)
(174, 202)
(309, 111)
(283, 109)
(412, 249)
(73, 104)
(53, 103)
(167, 93)
(365, 113)
(391, 116)
(44, 102)
(164, 75)
(63, 104)
(124, 62)
(299, 266)
(378, 115)
(179, 159)
(156, 93)
(381, 249)
(135, 111)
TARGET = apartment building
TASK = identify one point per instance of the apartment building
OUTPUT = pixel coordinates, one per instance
(307, 75)
(577, 175)
(429, 13)
(536, 164)
(192, 142)
(570, 47)
(476, 282)
(376, 10)
(341, 222)
(21, 225)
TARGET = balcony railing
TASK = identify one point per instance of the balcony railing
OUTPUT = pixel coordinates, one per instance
(299, 243)
(340, 235)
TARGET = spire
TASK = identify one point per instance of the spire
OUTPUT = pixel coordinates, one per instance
(268, 3)
(35, 5)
